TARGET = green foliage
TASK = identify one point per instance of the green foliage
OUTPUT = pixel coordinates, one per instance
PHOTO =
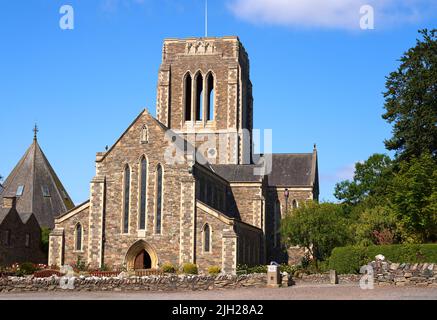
(168, 268)
(214, 270)
(245, 269)
(350, 259)
(45, 234)
(376, 225)
(316, 227)
(189, 268)
(80, 265)
(414, 199)
(411, 100)
(25, 269)
(370, 179)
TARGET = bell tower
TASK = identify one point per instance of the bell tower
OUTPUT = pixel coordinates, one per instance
(205, 94)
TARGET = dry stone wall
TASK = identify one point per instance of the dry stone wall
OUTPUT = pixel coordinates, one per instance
(151, 283)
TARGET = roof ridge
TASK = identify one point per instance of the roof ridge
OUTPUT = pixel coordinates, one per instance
(35, 144)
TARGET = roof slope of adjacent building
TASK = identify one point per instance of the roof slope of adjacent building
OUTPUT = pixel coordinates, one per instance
(42, 191)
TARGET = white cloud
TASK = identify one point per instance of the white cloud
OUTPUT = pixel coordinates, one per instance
(336, 14)
(343, 173)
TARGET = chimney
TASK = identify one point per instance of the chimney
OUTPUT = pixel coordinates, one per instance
(9, 202)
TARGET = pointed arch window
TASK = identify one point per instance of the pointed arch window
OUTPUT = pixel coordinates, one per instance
(158, 222)
(188, 96)
(126, 202)
(206, 238)
(295, 204)
(199, 97)
(79, 233)
(210, 98)
(143, 193)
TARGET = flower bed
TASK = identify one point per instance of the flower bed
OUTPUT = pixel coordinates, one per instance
(47, 273)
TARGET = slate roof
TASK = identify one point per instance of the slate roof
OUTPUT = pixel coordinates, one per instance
(293, 170)
(237, 172)
(288, 170)
(34, 172)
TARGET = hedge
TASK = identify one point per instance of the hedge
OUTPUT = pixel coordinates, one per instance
(350, 259)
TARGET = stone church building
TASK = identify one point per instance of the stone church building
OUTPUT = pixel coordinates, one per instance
(187, 186)
(30, 199)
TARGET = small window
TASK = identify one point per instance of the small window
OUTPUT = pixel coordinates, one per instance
(295, 204)
(45, 191)
(20, 191)
(207, 238)
(27, 241)
(7, 238)
(78, 245)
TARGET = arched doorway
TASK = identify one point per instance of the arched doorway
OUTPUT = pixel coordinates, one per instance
(143, 261)
(140, 256)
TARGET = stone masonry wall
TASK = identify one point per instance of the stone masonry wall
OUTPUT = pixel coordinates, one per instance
(405, 274)
(151, 283)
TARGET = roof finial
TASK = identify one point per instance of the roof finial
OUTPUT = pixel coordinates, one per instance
(35, 132)
(315, 146)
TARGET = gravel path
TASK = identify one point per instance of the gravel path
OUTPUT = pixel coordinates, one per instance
(297, 292)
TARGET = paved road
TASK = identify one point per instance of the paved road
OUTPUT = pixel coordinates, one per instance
(298, 292)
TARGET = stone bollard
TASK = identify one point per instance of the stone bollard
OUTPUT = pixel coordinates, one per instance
(274, 278)
(333, 278)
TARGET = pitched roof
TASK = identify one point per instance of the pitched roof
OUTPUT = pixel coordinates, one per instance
(293, 170)
(237, 172)
(34, 173)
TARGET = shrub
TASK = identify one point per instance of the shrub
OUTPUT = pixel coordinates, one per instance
(80, 265)
(215, 270)
(245, 269)
(350, 259)
(168, 268)
(189, 268)
(25, 269)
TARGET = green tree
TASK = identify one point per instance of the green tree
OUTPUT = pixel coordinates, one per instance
(370, 179)
(45, 234)
(411, 100)
(316, 227)
(414, 199)
(376, 225)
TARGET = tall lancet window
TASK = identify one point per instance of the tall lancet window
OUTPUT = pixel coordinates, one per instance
(143, 193)
(199, 97)
(79, 237)
(158, 221)
(207, 238)
(188, 96)
(126, 207)
(211, 98)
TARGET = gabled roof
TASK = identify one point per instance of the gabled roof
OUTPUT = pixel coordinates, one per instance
(237, 172)
(34, 173)
(288, 170)
(293, 170)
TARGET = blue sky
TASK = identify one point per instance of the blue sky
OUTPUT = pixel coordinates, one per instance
(318, 78)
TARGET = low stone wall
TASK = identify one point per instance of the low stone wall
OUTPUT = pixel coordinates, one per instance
(151, 283)
(405, 274)
(324, 278)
